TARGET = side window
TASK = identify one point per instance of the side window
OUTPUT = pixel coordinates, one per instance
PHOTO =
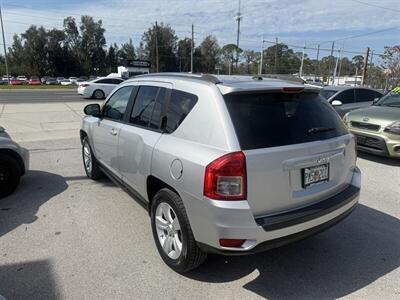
(346, 96)
(363, 95)
(116, 81)
(180, 105)
(105, 81)
(115, 107)
(148, 107)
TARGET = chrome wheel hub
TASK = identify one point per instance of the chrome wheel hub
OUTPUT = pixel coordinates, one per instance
(168, 230)
(87, 157)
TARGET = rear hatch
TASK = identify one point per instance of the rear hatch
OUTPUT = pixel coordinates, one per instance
(297, 148)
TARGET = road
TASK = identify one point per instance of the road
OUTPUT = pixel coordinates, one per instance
(39, 96)
(63, 236)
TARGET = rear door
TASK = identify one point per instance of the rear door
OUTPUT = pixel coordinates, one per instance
(297, 149)
(106, 131)
(139, 136)
(365, 97)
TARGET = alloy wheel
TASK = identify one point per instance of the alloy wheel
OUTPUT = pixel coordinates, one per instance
(168, 230)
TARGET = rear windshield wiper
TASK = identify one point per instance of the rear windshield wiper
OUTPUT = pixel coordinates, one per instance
(319, 129)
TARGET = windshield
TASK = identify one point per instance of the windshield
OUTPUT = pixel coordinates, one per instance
(265, 120)
(327, 93)
(392, 99)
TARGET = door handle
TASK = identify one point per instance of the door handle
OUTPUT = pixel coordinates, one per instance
(113, 131)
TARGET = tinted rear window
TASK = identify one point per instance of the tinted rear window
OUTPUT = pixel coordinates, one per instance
(277, 119)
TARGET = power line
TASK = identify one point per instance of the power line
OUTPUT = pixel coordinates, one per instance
(377, 6)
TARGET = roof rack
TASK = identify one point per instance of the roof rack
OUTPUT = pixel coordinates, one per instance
(204, 77)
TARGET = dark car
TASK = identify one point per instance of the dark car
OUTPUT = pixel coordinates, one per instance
(14, 162)
(345, 98)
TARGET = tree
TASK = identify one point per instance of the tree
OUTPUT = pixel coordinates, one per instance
(35, 45)
(209, 52)
(184, 52)
(286, 62)
(162, 40)
(358, 62)
(391, 64)
(127, 51)
(92, 45)
(229, 53)
(251, 57)
(112, 58)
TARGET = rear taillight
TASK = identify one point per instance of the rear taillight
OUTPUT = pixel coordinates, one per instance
(84, 85)
(225, 178)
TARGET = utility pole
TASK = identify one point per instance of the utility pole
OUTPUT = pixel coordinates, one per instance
(364, 71)
(340, 62)
(156, 47)
(276, 55)
(330, 64)
(336, 66)
(4, 44)
(260, 69)
(192, 50)
(317, 71)
(302, 61)
(238, 19)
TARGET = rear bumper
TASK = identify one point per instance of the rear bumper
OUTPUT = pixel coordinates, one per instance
(214, 220)
(279, 242)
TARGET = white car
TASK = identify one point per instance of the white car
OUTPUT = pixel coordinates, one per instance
(65, 82)
(24, 79)
(73, 79)
(99, 88)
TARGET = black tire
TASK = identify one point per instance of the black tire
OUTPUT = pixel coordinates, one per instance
(94, 172)
(191, 255)
(10, 175)
(98, 94)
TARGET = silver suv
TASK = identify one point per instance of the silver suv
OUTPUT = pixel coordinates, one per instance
(228, 165)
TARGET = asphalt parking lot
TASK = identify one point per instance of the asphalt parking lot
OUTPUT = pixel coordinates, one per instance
(63, 236)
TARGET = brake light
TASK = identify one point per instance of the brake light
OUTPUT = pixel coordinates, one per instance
(225, 178)
(84, 85)
(292, 89)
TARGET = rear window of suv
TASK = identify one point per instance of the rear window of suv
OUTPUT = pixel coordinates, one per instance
(264, 120)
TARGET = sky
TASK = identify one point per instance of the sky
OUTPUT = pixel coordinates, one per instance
(352, 24)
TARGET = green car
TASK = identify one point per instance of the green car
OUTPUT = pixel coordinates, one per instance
(377, 127)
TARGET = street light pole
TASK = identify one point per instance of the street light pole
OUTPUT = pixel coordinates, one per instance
(4, 44)
(260, 69)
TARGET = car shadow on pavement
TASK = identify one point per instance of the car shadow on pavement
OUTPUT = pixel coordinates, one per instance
(379, 159)
(35, 189)
(333, 264)
(28, 280)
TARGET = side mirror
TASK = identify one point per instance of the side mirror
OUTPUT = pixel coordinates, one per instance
(376, 100)
(337, 103)
(92, 110)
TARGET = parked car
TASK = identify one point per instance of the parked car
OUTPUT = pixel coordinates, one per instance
(73, 79)
(34, 81)
(23, 79)
(59, 79)
(345, 98)
(16, 81)
(228, 165)
(51, 81)
(98, 88)
(377, 127)
(5, 78)
(65, 82)
(43, 79)
(14, 163)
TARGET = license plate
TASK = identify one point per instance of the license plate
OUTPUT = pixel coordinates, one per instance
(315, 175)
